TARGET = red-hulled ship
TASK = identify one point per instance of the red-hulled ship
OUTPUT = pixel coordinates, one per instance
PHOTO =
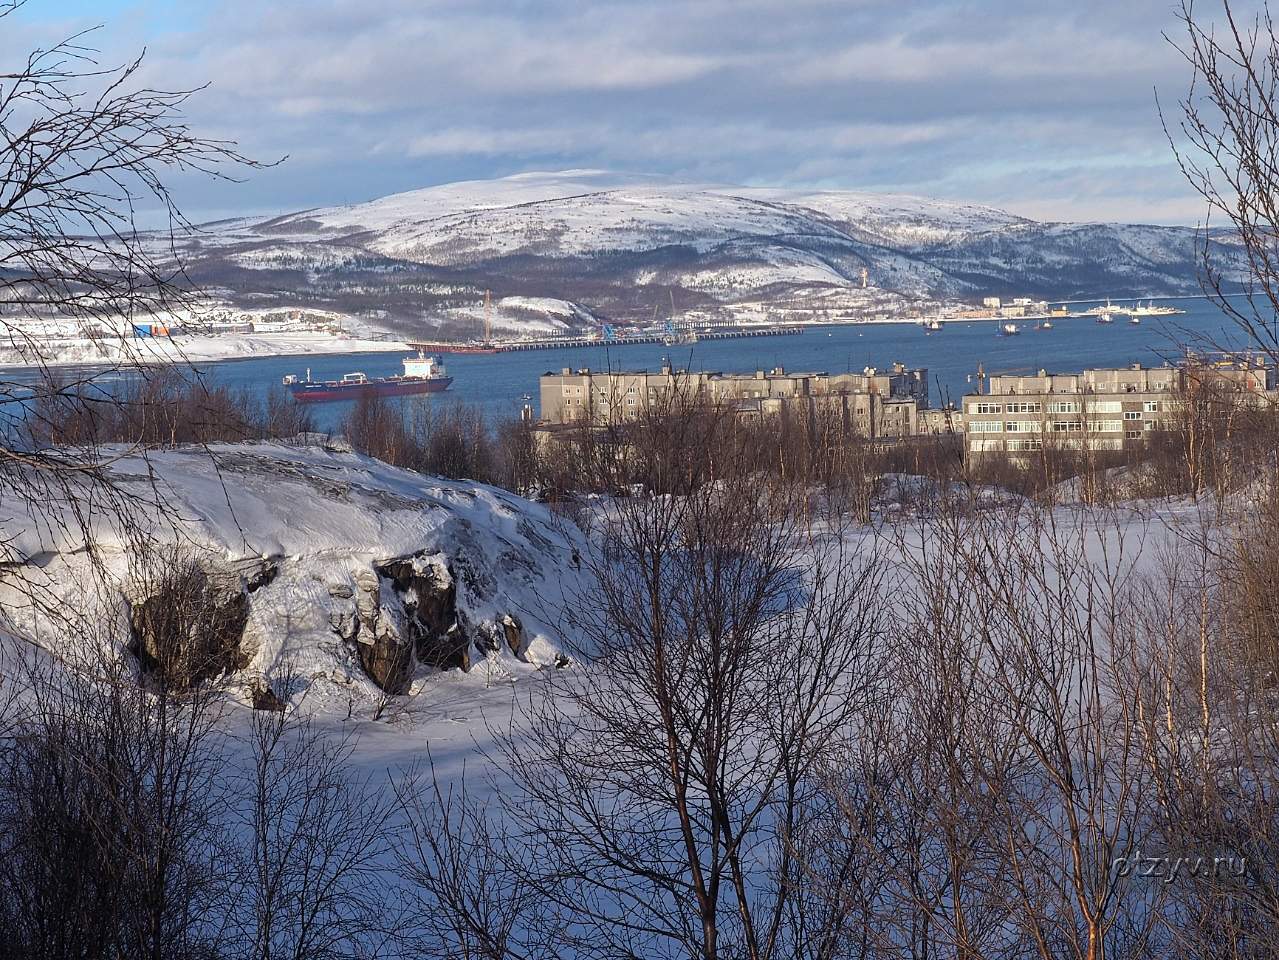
(422, 374)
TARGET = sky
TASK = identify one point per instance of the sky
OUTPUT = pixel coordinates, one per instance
(1044, 109)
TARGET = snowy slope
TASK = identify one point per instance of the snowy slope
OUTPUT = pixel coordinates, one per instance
(308, 534)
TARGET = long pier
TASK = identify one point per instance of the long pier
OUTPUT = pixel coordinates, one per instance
(557, 343)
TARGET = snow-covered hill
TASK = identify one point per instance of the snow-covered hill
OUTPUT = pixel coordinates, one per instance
(607, 247)
(334, 569)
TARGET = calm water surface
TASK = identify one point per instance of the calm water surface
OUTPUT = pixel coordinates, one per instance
(498, 382)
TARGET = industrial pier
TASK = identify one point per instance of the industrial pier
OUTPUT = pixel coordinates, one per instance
(554, 343)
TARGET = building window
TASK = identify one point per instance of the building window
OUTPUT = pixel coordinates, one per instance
(1132, 415)
(1105, 406)
(1023, 408)
(986, 426)
(1152, 406)
(1064, 406)
(1132, 434)
(1067, 426)
(988, 408)
(1023, 426)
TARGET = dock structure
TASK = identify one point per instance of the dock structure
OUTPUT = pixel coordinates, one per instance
(557, 343)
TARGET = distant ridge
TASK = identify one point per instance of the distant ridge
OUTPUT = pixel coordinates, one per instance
(588, 246)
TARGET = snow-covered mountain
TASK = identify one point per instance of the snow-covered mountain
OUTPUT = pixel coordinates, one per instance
(565, 251)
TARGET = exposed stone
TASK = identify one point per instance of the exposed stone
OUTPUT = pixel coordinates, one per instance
(383, 645)
(514, 631)
(428, 594)
(263, 576)
(264, 698)
(189, 627)
(341, 590)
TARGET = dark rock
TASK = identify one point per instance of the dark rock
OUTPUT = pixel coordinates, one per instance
(263, 576)
(264, 698)
(189, 627)
(427, 591)
(384, 650)
(514, 631)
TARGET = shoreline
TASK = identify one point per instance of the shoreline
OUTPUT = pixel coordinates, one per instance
(196, 355)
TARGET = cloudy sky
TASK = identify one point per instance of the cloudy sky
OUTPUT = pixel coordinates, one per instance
(1046, 109)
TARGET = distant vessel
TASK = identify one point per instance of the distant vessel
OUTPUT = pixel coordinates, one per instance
(422, 374)
(1009, 330)
(1134, 318)
(1045, 325)
(674, 338)
(932, 324)
(1150, 310)
(486, 344)
(1105, 314)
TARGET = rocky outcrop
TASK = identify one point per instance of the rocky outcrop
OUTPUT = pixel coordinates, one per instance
(189, 622)
(427, 592)
(405, 613)
(265, 698)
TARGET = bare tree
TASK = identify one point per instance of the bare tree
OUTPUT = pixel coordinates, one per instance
(659, 788)
(315, 880)
(82, 147)
(1227, 145)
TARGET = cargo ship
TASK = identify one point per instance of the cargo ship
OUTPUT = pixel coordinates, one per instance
(422, 374)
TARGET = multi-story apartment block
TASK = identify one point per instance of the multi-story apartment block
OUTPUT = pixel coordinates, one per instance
(1102, 409)
(874, 403)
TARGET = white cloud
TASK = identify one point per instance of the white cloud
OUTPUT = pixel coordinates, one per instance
(373, 96)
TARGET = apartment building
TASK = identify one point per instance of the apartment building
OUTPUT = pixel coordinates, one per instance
(1101, 409)
(876, 403)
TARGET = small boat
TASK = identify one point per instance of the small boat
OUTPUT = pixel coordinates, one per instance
(1009, 330)
(1134, 318)
(422, 374)
(932, 325)
(1046, 325)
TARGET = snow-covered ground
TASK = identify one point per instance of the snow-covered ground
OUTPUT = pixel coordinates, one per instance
(229, 346)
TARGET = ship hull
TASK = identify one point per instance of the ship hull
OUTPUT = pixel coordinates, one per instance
(390, 387)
